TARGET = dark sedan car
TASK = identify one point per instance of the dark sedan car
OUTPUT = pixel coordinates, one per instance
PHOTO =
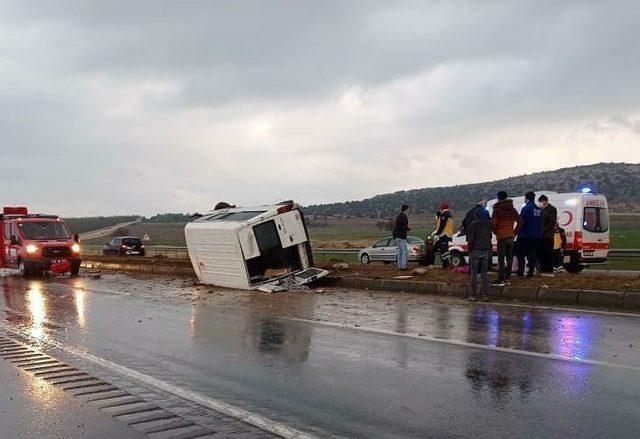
(124, 246)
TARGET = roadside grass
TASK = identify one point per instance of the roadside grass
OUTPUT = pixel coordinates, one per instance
(161, 233)
(625, 231)
(361, 232)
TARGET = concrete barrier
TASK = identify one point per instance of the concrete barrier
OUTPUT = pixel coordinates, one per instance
(558, 295)
(604, 299)
(600, 298)
(631, 301)
(139, 267)
(520, 293)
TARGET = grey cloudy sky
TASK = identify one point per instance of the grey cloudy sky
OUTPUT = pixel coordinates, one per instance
(146, 106)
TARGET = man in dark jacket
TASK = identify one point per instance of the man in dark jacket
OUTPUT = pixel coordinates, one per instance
(480, 254)
(478, 209)
(400, 229)
(529, 235)
(548, 218)
(505, 223)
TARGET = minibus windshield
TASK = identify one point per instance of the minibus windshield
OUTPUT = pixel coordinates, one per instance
(39, 230)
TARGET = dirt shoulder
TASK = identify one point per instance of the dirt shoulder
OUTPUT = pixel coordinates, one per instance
(581, 281)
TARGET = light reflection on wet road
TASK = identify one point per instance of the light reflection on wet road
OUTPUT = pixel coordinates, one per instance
(282, 356)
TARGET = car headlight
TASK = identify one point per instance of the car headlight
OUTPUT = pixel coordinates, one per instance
(75, 248)
(31, 249)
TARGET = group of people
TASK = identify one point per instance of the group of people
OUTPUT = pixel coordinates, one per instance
(533, 236)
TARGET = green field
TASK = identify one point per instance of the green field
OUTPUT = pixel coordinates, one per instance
(361, 232)
(161, 233)
(625, 231)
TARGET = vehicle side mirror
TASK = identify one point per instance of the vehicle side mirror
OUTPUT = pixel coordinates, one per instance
(14, 240)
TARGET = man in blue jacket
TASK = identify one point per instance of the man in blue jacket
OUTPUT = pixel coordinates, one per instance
(529, 235)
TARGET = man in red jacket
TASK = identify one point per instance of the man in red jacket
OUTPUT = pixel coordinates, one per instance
(505, 223)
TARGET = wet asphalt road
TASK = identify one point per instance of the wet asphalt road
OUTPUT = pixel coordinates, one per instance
(354, 364)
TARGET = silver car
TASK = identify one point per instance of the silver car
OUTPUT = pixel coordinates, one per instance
(386, 250)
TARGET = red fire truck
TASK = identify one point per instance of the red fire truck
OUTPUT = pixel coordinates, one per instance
(37, 243)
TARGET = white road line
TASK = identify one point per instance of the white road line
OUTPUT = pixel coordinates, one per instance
(565, 309)
(463, 343)
(256, 420)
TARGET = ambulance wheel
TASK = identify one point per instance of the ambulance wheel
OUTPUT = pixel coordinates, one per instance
(456, 259)
(364, 258)
(574, 268)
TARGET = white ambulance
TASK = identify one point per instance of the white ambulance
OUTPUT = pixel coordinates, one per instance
(583, 215)
(252, 247)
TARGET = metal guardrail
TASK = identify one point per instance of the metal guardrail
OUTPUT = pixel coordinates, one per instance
(625, 252)
(168, 251)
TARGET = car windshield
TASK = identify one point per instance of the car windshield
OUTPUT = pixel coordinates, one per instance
(43, 230)
(131, 241)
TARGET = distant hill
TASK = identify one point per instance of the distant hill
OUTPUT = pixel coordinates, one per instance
(620, 182)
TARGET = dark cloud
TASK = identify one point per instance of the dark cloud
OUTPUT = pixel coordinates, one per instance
(147, 105)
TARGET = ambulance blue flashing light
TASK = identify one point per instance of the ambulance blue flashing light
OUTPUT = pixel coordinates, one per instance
(586, 190)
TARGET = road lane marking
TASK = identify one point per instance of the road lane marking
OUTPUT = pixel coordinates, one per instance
(240, 414)
(462, 343)
(458, 302)
(564, 309)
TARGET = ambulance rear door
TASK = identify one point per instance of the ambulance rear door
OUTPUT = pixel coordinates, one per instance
(595, 227)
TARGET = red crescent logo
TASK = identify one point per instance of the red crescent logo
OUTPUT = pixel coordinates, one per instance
(570, 215)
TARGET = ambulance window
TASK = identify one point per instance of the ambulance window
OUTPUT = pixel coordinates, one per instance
(596, 219)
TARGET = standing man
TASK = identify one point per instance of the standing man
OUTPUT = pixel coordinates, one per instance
(506, 223)
(479, 209)
(480, 254)
(549, 218)
(400, 229)
(529, 235)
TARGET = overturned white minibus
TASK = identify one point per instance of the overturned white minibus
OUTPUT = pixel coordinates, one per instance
(252, 247)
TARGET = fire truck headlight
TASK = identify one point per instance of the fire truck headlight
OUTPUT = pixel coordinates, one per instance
(31, 249)
(75, 248)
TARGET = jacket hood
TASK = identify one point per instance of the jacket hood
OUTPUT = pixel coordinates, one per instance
(504, 204)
